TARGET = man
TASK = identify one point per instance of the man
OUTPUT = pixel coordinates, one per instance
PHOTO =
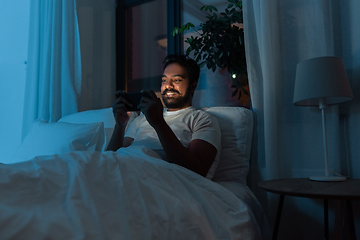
(179, 133)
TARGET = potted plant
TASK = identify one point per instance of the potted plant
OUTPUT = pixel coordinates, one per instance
(219, 43)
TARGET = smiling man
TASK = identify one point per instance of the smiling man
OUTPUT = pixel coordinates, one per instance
(179, 133)
(178, 85)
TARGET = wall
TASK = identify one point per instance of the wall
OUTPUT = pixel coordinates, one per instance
(14, 25)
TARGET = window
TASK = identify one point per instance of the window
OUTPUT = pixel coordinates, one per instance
(142, 41)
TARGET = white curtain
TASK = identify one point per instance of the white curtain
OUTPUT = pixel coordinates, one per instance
(288, 140)
(53, 78)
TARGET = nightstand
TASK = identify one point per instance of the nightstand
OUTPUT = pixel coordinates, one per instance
(303, 187)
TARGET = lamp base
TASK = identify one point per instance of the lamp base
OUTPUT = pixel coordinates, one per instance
(328, 179)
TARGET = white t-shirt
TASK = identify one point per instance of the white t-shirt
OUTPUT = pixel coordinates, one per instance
(187, 124)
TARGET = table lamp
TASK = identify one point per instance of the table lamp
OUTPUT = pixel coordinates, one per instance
(320, 82)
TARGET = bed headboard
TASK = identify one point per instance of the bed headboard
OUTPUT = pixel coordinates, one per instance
(92, 128)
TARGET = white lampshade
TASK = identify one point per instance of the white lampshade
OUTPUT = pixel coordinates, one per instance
(321, 78)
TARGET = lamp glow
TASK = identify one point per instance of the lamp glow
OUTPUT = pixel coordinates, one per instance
(320, 82)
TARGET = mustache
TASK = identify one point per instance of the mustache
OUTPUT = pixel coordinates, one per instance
(166, 91)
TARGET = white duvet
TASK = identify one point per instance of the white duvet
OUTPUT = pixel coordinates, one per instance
(123, 195)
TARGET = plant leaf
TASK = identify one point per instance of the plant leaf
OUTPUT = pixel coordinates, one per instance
(175, 31)
(214, 67)
(234, 92)
(239, 95)
(188, 50)
(245, 91)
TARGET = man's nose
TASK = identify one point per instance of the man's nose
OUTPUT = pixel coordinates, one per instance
(169, 84)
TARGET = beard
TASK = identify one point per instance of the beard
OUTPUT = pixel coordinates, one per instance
(177, 102)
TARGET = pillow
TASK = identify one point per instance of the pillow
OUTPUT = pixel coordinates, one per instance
(104, 115)
(236, 125)
(55, 138)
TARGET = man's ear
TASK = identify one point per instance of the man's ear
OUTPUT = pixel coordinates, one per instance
(193, 87)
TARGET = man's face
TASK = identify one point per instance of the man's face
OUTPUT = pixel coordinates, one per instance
(176, 90)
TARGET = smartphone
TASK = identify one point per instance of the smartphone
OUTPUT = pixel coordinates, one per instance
(135, 98)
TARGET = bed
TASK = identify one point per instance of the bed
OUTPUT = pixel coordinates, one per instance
(61, 184)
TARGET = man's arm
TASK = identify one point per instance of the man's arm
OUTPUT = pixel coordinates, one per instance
(117, 139)
(198, 157)
(200, 154)
(121, 118)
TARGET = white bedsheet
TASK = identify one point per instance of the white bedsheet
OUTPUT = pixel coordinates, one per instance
(124, 195)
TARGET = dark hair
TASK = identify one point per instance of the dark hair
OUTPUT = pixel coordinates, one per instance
(189, 64)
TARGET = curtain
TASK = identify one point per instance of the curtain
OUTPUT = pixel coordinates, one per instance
(288, 139)
(53, 78)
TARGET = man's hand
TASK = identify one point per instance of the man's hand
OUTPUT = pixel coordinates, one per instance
(152, 108)
(120, 109)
